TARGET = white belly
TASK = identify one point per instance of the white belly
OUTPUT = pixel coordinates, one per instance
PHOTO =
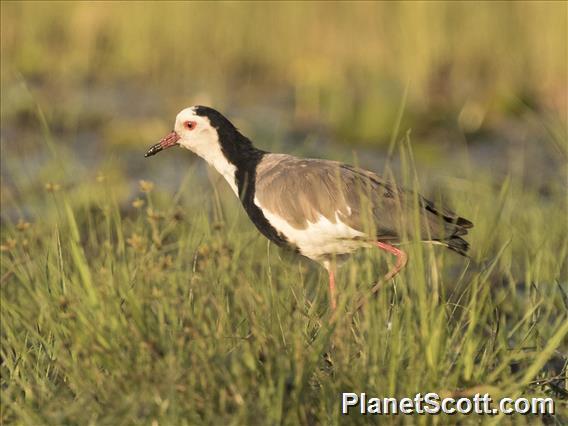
(320, 239)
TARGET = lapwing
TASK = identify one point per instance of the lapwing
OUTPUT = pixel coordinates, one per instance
(321, 209)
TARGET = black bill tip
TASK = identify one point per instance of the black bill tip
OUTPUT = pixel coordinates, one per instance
(153, 150)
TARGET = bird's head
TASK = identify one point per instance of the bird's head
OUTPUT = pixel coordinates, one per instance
(210, 135)
(193, 129)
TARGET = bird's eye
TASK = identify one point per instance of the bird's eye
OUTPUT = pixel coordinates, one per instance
(190, 125)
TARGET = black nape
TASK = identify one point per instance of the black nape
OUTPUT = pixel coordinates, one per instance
(239, 151)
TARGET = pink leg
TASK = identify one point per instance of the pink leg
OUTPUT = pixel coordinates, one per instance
(401, 259)
(332, 289)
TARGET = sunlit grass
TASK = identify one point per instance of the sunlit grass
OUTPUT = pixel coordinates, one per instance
(157, 302)
(174, 309)
(343, 64)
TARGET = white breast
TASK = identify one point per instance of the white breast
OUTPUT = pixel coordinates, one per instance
(319, 239)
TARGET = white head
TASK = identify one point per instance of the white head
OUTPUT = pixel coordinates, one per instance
(207, 133)
(191, 131)
(196, 132)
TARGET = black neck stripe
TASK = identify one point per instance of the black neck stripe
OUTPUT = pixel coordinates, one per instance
(240, 152)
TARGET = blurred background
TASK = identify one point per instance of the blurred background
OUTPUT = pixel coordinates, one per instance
(106, 80)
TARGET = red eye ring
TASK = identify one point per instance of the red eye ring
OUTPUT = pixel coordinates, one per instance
(190, 125)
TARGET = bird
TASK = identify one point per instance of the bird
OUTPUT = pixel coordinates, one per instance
(321, 209)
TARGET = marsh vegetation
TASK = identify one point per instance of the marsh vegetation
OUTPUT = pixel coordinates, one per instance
(137, 291)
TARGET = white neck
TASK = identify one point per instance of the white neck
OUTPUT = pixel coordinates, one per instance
(211, 152)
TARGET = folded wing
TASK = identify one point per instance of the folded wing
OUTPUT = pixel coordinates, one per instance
(301, 191)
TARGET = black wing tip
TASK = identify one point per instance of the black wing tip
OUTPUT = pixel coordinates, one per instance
(464, 223)
(459, 245)
(447, 215)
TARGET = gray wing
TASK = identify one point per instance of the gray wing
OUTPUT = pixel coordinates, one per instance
(302, 190)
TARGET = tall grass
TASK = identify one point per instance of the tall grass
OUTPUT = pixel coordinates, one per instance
(176, 311)
(170, 308)
(345, 64)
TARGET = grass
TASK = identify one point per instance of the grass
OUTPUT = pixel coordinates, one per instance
(161, 304)
(174, 310)
(345, 65)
